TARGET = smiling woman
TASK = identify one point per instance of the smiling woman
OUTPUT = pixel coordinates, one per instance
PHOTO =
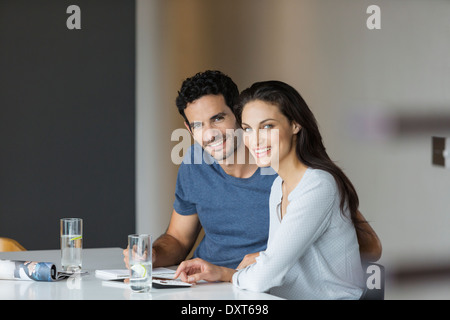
(300, 142)
(268, 133)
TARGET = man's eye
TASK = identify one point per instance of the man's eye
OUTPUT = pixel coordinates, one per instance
(196, 126)
(217, 119)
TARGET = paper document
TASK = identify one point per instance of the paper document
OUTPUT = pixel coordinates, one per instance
(113, 274)
(163, 273)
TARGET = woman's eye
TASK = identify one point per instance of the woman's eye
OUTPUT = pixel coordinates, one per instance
(267, 126)
(247, 130)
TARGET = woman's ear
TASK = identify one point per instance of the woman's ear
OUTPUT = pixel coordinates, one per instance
(296, 128)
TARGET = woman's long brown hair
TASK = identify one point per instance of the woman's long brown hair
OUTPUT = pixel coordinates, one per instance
(310, 149)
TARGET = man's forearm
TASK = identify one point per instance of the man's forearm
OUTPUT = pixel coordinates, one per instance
(369, 243)
(168, 251)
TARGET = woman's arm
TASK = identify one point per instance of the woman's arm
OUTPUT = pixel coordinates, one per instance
(197, 269)
(308, 216)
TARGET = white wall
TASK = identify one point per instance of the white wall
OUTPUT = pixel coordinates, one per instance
(155, 174)
(342, 69)
(404, 68)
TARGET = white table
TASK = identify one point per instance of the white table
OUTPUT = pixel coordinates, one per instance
(88, 287)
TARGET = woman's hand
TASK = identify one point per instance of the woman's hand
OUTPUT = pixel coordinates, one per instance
(248, 260)
(194, 270)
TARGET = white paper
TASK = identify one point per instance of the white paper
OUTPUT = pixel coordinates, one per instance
(111, 274)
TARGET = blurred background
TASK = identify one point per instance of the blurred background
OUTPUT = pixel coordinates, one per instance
(379, 95)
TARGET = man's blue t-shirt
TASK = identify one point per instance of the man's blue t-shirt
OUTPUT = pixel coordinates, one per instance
(234, 212)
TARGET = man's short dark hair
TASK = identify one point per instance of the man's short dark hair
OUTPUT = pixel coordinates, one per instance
(205, 83)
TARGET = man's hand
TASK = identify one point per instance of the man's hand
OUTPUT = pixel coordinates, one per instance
(369, 244)
(126, 257)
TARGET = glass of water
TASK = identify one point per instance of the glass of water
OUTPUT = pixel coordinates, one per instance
(71, 244)
(140, 262)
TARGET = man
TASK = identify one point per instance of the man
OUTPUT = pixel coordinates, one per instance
(226, 196)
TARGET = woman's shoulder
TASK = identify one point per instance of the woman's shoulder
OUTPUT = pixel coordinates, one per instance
(320, 175)
(317, 180)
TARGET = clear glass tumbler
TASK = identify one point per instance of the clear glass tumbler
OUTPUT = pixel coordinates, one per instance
(140, 262)
(71, 244)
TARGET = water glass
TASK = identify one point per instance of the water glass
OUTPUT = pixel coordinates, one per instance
(140, 262)
(71, 244)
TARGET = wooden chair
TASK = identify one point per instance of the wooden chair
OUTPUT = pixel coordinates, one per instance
(7, 244)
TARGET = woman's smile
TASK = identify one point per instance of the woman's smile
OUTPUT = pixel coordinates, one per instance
(262, 152)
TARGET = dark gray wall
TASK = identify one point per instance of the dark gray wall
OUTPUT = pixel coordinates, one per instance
(67, 121)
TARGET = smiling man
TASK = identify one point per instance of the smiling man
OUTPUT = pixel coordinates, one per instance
(214, 126)
(224, 194)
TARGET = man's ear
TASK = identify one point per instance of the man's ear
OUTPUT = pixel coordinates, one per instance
(188, 127)
(296, 127)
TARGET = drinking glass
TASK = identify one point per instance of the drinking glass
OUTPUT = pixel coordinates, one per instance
(71, 244)
(140, 262)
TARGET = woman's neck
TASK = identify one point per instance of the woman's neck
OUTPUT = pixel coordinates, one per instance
(291, 171)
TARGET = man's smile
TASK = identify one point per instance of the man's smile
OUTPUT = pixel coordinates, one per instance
(217, 144)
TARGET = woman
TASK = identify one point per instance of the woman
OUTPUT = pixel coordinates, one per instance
(312, 251)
